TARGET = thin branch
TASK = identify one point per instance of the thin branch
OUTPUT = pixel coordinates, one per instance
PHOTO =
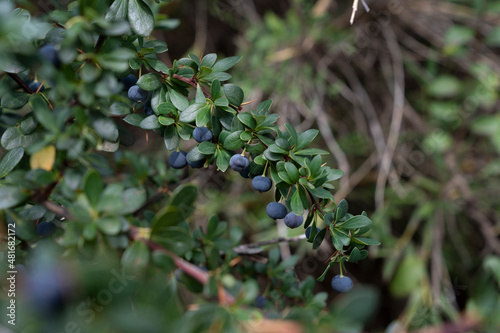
(397, 115)
(192, 83)
(20, 82)
(58, 210)
(355, 5)
(188, 268)
(254, 248)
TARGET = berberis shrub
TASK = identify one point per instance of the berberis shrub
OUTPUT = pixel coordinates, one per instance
(107, 232)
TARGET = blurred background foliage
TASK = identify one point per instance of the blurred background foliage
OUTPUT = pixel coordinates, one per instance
(406, 101)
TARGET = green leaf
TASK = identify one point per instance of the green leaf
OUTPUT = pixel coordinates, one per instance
(283, 144)
(234, 94)
(150, 81)
(165, 121)
(221, 101)
(296, 203)
(178, 208)
(263, 107)
(171, 138)
(341, 210)
(355, 222)
(408, 276)
(225, 64)
(233, 141)
(178, 100)
(320, 192)
(293, 133)
(109, 225)
(106, 128)
(117, 11)
(12, 138)
(247, 119)
(215, 90)
(206, 148)
(355, 255)
(305, 139)
(200, 96)
(292, 171)
(157, 65)
(208, 60)
(133, 198)
(223, 158)
(14, 100)
(43, 114)
(339, 239)
(203, 116)
(11, 196)
(92, 186)
(134, 119)
(111, 199)
(318, 239)
(10, 160)
(135, 258)
(166, 108)
(189, 113)
(365, 241)
(140, 17)
(150, 122)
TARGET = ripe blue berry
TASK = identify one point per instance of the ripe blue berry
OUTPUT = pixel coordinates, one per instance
(177, 159)
(245, 173)
(148, 110)
(195, 159)
(128, 81)
(275, 210)
(35, 85)
(238, 163)
(308, 231)
(342, 283)
(201, 134)
(136, 94)
(260, 301)
(293, 221)
(49, 53)
(45, 228)
(262, 184)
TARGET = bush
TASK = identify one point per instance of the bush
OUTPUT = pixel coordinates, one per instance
(116, 244)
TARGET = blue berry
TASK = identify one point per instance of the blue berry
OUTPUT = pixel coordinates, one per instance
(275, 210)
(128, 81)
(45, 228)
(49, 53)
(148, 110)
(238, 163)
(136, 94)
(308, 231)
(177, 159)
(341, 283)
(262, 184)
(195, 159)
(293, 221)
(260, 301)
(35, 85)
(201, 134)
(245, 173)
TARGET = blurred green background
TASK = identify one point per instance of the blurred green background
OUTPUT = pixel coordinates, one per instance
(406, 101)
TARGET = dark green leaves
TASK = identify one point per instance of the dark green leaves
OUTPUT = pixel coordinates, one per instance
(306, 138)
(234, 94)
(10, 160)
(117, 11)
(43, 114)
(150, 81)
(92, 186)
(140, 17)
(225, 64)
(11, 196)
(355, 222)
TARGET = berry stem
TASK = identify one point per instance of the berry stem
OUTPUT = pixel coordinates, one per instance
(341, 274)
(265, 169)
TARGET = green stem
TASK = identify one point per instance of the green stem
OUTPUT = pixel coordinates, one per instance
(341, 274)
(265, 169)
